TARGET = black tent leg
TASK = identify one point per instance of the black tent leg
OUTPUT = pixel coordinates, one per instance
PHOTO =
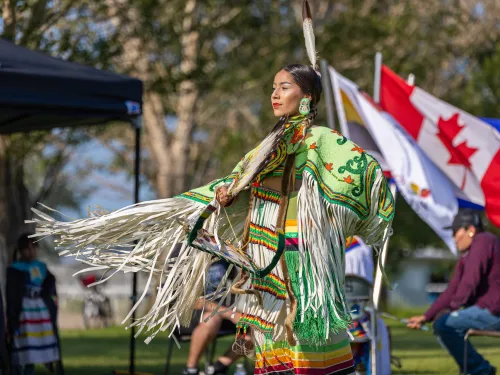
(137, 123)
(169, 355)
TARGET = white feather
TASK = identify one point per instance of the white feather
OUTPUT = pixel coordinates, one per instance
(310, 42)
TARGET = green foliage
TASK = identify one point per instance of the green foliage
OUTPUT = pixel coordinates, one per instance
(241, 45)
(481, 94)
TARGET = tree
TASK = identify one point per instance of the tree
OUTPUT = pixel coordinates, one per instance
(49, 26)
(185, 52)
(207, 66)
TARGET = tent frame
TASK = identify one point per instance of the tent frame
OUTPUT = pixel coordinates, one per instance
(20, 64)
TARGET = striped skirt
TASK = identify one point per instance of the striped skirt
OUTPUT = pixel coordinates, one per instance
(281, 358)
(35, 341)
(278, 357)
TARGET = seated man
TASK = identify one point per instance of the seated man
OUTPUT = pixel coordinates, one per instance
(206, 332)
(472, 299)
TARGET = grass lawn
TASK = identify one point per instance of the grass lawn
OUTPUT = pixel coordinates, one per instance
(100, 351)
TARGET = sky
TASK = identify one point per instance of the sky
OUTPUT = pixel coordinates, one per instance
(105, 195)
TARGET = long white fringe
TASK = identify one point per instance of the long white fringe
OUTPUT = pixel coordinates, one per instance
(323, 229)
(134, 239)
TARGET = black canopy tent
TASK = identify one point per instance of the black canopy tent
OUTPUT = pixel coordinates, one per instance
(41, 92)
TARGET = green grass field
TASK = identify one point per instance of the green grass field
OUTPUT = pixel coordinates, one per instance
(100, 351)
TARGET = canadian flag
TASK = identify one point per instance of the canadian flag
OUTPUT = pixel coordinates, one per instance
(426, 189)
(464, 147)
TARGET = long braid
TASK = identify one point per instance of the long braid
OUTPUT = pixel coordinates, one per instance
(311, 116)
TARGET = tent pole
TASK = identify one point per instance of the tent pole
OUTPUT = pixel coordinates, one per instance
(327, 88)
(137, 124)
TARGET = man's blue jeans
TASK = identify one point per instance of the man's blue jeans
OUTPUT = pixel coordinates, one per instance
(451, 328)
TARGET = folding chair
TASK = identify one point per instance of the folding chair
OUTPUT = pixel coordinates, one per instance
(184, 335)
(475, 332)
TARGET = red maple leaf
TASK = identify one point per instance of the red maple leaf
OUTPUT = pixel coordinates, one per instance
(460, 154)
(448, 130)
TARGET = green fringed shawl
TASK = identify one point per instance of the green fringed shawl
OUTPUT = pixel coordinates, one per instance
(345, 174)
(343, 193)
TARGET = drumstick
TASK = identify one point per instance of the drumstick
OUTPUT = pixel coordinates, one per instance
(404, 321)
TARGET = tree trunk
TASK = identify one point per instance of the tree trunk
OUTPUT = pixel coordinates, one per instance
(9, 20)
(186, 102)
(158, 142)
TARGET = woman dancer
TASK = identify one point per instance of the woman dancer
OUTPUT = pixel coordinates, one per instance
(282, 216)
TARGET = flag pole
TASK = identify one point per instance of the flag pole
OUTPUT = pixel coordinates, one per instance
(337, 96)
(327, 87)
(377, 285)
(378, 77)
(411, 79)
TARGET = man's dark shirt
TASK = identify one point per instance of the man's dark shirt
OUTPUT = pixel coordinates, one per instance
(476, 280)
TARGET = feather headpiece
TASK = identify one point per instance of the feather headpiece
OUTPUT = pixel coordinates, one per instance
(309, 34)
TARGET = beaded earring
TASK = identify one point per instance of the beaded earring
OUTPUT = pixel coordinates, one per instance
(305, 106)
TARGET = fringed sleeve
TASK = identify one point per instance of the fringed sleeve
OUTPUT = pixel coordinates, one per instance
(344, 193)
(149, 237)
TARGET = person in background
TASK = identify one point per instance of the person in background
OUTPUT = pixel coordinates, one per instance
(206, 332)
(472, 299)
(31, 312)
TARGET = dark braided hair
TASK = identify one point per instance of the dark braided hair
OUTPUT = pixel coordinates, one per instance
(310, 83)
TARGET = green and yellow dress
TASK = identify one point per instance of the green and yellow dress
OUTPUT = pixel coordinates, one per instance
(296, 311)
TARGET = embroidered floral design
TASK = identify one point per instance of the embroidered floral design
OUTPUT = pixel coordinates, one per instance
(298, 134)
(313, 146)
(329, 166)
(358, 149)
(356, 166)
(348, 179)
(342, 139)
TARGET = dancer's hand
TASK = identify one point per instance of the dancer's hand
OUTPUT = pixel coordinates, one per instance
(222, 197)
(416, 322)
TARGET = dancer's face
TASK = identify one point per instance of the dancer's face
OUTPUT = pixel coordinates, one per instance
(286, 95)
